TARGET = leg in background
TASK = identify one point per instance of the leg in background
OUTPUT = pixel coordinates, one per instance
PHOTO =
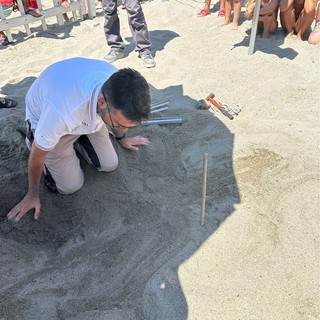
(228, 6)
(305, 18)
(138, 26)
(112, 25)
(314, 37)
(236, 14)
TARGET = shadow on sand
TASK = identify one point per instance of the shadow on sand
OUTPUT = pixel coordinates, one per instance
(113, 249)
(271, 45)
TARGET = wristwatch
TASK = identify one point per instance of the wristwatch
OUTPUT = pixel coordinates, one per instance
(122, 137)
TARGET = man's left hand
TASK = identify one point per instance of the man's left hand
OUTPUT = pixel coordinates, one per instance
(132, 143)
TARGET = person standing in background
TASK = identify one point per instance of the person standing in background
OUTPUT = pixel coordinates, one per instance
(138, 27)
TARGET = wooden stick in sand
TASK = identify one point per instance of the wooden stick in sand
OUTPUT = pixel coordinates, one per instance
(204, 187)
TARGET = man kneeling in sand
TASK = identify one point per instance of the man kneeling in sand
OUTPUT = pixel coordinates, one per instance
(297, 16)
(68, 108)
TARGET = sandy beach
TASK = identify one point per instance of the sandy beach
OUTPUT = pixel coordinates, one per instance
(129, 244)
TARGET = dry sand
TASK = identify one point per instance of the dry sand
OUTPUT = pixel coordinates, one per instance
(129, 244)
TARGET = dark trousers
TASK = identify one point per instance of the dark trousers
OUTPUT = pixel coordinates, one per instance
(137, 23)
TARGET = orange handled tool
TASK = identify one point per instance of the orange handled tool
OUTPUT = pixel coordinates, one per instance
(218, 106)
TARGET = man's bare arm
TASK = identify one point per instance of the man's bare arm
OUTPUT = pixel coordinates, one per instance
(31, 200)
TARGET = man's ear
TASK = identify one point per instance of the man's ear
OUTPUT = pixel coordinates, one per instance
(101, 100)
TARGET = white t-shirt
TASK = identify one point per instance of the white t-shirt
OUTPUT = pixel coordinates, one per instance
(63, 100)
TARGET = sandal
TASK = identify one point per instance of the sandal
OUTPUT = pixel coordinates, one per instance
(221, 13)
(33, 12)
(203, 13)
(4, 41)
(7, 103)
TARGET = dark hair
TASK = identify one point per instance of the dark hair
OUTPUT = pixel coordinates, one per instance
(128, 91)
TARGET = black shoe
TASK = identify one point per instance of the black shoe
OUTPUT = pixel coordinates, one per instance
(48, 181)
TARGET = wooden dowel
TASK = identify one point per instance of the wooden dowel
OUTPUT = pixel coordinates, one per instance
(204, 187)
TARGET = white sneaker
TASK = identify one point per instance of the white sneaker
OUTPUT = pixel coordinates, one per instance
(113, 56)
(148, 60)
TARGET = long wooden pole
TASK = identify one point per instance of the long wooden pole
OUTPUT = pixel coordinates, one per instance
(204, 187)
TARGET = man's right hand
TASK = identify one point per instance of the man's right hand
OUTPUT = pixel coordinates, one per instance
(29, 202)
(31, 199)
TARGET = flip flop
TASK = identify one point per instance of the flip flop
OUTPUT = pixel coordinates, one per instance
(203, 13)
(33, 12)
(4, 41)
(7, 103)
(221, 13)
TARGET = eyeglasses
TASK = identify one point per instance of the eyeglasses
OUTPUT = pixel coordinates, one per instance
(118, 126)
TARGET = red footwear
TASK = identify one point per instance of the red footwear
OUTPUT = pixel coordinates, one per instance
(203, 13)
(221, 13)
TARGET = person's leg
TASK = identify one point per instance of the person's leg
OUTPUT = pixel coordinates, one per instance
(305, 18)
(222, 9)
(265, 21)
(206, 10)
(31, 7)
(207, 4)
(65, 4)
(138, 27)
(63, 165)
(228, 6)
(98, 150)
(248, 14)
(236, 14)
(274, 21)
(112, 25)
(270, 24)
(3, 39)
(314, 37)
(287, 16)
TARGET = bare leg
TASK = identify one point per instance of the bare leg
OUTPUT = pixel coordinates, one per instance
(65, 4)
(228, 6)
(266, 20)
(206, 10)
(269, 22)
(207, 4)
(287, 19)
(305, 18)
(314, 37)
(236, 14)
(222, 8)
(222, 4)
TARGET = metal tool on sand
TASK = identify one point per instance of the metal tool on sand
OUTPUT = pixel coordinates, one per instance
(210, 102)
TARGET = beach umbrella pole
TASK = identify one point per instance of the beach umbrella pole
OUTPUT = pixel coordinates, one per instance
(254, 26)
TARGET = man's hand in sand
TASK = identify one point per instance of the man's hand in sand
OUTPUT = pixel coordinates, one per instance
(132, 143)
(31, 199)
(28, 203)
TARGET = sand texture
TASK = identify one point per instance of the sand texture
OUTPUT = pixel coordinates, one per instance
(129, 244)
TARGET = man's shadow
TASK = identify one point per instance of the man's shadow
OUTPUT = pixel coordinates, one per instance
(112, 250)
